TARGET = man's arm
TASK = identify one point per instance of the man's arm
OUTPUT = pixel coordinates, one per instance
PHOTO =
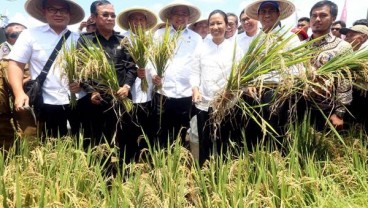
(15, 75)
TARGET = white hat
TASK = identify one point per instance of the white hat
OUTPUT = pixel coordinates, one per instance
(285, 7)
(191, 26)
(123, 17)
(356, 28)
(34, 8)
(194, 12)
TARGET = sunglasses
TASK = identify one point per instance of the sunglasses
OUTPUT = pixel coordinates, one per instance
(13, 35)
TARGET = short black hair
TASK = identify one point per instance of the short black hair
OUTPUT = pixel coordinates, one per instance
(333, 7)
(304, 19)
(340, 22)
(229, 14)
(97, 3)
(241, 13)
(222, 13)
(361, 22)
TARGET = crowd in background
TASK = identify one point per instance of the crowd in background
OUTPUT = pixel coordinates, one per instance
(178, 103)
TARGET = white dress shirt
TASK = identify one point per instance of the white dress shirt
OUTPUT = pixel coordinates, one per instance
(212, 68)
(139, 96)
(176, 77)
(34, 46)
(243, 40)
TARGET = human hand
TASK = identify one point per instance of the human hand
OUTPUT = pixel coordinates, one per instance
(96, 98)
(74, 87)
(157, 80)
(21, 101)
(141, 73)
(196, 96)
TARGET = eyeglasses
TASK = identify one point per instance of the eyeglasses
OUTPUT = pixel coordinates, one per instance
(335, 28)
(107, 15)
(13, 35)
(54, 10)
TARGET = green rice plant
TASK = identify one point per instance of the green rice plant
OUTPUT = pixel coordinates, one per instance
(69, 62)
(138, 45)
(95, 66)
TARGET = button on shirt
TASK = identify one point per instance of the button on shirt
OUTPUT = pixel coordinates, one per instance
(139, 96)
(34, 46)
(176, 77)
(211, 69)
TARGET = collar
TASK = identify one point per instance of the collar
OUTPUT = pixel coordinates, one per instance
(328, 38)
(47, 27)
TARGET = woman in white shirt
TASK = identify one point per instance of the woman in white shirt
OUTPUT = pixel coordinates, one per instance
(211, 69)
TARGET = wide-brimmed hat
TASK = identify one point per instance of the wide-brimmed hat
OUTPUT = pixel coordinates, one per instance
(194, 12)
(357, 28)
(123, 17)
(285, 7)
(191, 26)
(34, 8)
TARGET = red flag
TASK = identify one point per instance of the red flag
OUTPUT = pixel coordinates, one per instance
(344, 12)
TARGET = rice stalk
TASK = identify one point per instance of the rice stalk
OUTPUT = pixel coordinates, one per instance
(69, 62)
(163, 50)
(138, 45)
(97, 68)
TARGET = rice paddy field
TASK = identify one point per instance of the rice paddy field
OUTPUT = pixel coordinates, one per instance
(315, 170)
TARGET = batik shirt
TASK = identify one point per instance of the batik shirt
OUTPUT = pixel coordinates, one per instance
(341, 92)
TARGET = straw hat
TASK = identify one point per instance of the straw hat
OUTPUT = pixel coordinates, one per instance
(357, 28)
(286, 8)
(194, 12)
(34, 8)
(191, 26)
(123, 17)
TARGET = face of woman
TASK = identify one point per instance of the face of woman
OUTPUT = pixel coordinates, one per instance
(217, 27)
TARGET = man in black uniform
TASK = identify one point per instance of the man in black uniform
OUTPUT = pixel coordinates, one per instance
(103, 116)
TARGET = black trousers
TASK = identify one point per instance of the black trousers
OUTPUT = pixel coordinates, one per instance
(171, 117)
(358, 109)
(215, 139)
(131, 129)
(55, 118)
(276, 118)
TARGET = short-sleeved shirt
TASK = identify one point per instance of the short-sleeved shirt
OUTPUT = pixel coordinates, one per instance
(34, 46)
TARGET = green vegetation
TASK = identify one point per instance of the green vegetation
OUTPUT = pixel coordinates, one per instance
(314, 170)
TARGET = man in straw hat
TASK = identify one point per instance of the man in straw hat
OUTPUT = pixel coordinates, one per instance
(200, 27)
(269, 14)
(176, 92)
(136, 20)
(357, 36)
(103, 115)
(35, 46)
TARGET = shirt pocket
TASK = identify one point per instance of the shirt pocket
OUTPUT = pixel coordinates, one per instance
(42, 51)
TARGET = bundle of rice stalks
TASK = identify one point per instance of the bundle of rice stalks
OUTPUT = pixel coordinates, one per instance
(96, 67)
(69, 62)
(268, 61)
(162, 50)
(138, 45)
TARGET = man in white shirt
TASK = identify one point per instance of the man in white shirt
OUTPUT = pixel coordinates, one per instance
(250, 27)
(175, 96)
(269, 14)
(35, 46)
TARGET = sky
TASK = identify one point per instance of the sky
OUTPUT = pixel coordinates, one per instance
(356, 9)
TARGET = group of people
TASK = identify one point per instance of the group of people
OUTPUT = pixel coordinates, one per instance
(198, 70)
